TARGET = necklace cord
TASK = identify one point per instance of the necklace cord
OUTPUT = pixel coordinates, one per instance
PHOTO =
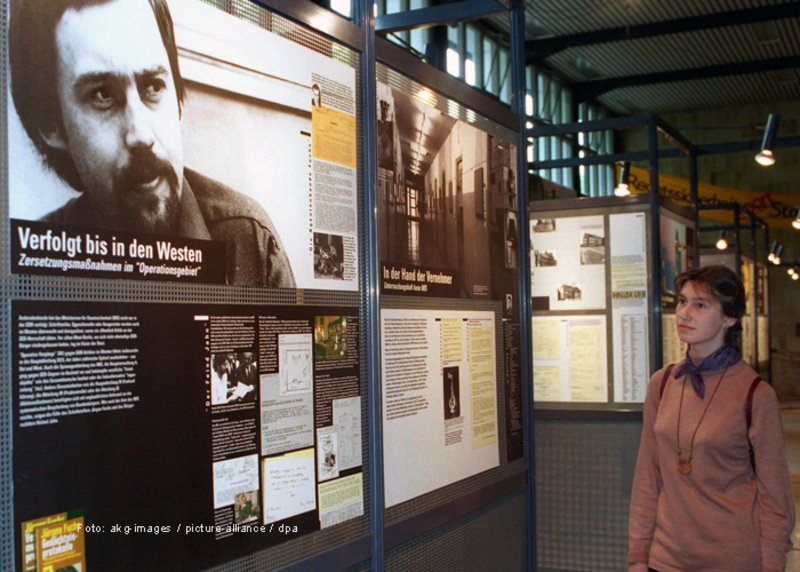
(680, 408)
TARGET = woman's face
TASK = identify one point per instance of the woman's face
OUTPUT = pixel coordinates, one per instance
(700, 320)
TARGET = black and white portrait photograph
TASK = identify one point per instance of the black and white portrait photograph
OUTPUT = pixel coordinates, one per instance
(168, 123)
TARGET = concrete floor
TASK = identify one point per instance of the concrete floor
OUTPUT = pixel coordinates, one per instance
(791, 429)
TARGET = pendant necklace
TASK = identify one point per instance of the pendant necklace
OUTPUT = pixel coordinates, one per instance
(685, 465)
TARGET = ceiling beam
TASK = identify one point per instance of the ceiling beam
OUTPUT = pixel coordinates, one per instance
(437, 15)
(587, 90)
(538, 50)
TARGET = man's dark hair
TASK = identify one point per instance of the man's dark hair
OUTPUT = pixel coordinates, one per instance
(723, 284)
(219, 360)
(33, 58)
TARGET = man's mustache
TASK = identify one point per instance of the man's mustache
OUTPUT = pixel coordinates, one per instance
(143, 167)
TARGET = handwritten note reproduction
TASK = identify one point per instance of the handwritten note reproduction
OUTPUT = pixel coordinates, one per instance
(289, 485)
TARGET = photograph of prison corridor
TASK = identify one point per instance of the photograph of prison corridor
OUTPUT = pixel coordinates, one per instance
(447, 197)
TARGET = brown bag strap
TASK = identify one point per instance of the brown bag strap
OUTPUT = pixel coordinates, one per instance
(748, 408)
(748, 415)
(664, 379)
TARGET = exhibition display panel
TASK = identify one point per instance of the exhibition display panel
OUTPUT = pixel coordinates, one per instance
(595, 292)
(183, 288)
(193, 304)
(449, 279)
(755, 322)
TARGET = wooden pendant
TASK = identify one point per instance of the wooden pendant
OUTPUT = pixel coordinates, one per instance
(684, 465)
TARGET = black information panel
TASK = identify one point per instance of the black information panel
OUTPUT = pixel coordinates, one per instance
(161, 436)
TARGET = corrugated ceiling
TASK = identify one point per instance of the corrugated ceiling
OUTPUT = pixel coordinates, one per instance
(744, 62)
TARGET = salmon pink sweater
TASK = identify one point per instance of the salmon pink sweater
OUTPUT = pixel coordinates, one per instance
(724, 515)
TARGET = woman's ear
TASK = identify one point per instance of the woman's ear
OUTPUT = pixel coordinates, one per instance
(729, 321)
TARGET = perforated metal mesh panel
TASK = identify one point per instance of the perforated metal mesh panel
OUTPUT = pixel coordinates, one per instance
(6, 520)
(489, 539)
(297, 549)
(583, 482)
(16, 287)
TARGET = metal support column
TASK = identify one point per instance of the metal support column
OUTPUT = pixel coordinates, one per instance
(370, 303)
(695, 202)
(655, 232)
(517, 22)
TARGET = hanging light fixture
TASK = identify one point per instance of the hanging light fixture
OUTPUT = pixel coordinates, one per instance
(776, 259)
(765, 157)
(722, 243)
(796, 221)
(773, 249)
(622, 189)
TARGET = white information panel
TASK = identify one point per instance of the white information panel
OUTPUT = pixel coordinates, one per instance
(569, 359)
(439, 399)
(629, 304)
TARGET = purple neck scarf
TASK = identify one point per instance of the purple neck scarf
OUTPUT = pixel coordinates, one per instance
(725, 356)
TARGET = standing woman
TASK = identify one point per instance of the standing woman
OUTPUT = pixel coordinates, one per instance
(711, 491)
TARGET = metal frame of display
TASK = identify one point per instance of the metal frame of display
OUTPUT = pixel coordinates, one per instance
(364, 18)
(755, 223)
(513, 119)
(360, 39)
(683, 148)
(410, 66)
(360, 36)
(518, 94)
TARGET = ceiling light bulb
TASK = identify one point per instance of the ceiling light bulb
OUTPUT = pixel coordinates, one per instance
(622, 189)
(722, 243)
(765, 158)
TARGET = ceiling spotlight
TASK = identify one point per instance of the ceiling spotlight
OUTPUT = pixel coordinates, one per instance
(791, 271)
(765, 157)
(796, 274)
(722, 243)
(772, 249)
(622, 189)
(778, 254)
(796, 221)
